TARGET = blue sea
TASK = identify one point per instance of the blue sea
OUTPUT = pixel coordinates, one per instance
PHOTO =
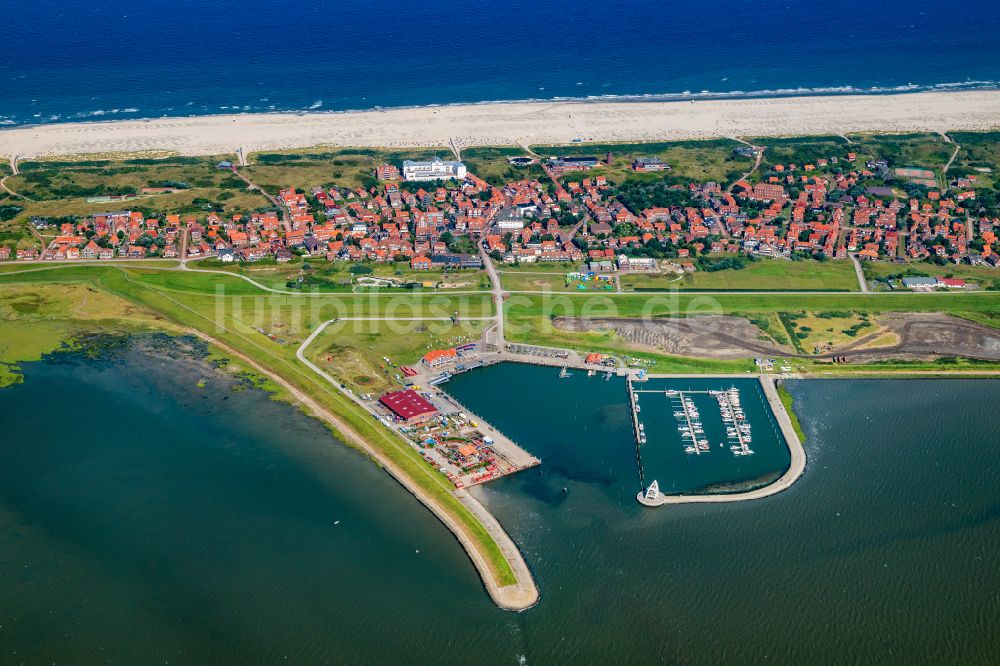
(72, 60)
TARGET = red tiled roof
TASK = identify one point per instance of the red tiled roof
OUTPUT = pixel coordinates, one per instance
(407, 404)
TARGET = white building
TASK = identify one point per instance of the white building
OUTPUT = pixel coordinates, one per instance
(509, 219)
(436, 169)
(636, 263)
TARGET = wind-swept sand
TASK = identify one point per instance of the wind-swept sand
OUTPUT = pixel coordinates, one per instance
(507, 124)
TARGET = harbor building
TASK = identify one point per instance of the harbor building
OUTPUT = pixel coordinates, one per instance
(438, 357)
(436, 169)
(409, 406)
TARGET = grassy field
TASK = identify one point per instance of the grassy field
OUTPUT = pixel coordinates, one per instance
(821, 332)
(979, 156)
(490, 163)
(225, 320)
(61, 188)
(327, 167)
(762, 275)
(552, 281)
(37, 319)
(986, 277)
(988, 318)
(924, 150)
(336, 276)
(801, 151)
(787, 400)
(355, 352)
(708, 160)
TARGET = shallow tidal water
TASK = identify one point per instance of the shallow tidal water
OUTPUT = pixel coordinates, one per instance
(144, 519)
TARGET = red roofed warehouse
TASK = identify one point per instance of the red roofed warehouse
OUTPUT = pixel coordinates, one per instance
(408, 406)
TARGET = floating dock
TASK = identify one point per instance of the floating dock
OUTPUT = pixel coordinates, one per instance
(640, 437)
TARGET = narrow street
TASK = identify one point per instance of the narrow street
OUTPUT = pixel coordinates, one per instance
(497, 290)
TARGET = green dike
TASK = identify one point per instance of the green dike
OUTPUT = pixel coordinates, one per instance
(787, 400)
(682, 304)
(202, 314)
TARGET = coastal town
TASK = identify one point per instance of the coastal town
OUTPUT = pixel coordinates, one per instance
(437, 214)
(537, 334)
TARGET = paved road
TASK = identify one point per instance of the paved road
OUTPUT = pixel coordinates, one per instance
(862, 282)
(184, 247)
(497, 296)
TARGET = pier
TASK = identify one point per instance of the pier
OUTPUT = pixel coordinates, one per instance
(637, 431)
(512, 456)
(782, 423)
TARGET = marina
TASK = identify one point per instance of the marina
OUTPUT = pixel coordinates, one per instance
(701, 428)
(691, 428)
(356, 531)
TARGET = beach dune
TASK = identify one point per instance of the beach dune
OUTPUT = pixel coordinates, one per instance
(514, 123)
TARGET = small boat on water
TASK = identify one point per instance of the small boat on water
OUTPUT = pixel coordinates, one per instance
(564, 373)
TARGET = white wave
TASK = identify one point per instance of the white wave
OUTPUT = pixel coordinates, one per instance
(639, 97)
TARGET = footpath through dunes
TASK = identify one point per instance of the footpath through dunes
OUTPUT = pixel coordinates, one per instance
(510, 123)
(918, 336)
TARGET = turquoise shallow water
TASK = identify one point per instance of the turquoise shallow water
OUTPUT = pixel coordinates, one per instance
(142, 519)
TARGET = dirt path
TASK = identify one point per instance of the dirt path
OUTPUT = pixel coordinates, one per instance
(944, 171)
(756, 164)
(14, 172)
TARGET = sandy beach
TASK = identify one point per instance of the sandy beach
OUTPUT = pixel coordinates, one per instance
(513, 123)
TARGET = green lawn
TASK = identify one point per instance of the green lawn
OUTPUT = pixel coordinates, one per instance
(336, 276)
(354, 352)
(761, 275)
(710, 159)
(490, 163)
